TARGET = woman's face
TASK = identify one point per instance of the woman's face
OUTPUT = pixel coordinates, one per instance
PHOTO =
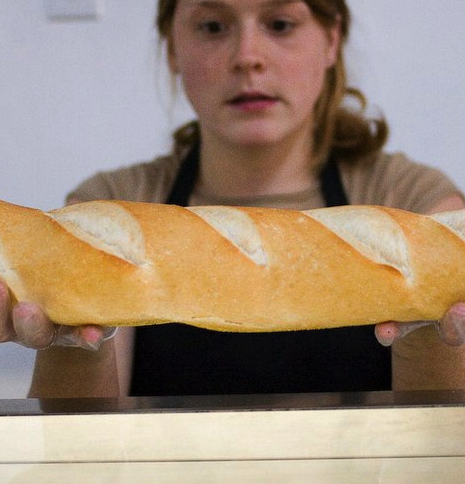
(252, 69)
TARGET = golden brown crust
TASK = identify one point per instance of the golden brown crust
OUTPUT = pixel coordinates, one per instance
(131, 263)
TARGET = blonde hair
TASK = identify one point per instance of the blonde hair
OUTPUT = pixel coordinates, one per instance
(345, 132)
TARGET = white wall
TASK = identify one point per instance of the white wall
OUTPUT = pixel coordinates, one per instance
(407, 56)
(81, 96)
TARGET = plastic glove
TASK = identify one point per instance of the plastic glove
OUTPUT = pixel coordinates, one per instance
(450, 329)
(27, 324)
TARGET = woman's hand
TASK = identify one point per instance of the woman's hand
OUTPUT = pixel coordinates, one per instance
(28, 325)
(450, 329)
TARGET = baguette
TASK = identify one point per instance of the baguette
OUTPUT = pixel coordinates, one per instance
(117, 263)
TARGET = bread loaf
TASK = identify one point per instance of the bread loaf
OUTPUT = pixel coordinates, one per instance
(232, 269)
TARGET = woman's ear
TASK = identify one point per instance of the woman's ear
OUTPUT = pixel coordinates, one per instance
(334, 42)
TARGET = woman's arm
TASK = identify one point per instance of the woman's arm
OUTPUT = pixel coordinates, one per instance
(76, 372)
(454, 202)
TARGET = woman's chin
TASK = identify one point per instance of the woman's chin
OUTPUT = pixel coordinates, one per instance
(256, 138)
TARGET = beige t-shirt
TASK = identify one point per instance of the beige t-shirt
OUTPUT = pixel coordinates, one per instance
(382, 179)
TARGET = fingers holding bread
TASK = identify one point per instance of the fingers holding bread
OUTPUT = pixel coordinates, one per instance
(32, 327)
(27, 324)
(451, 328)
(6, 322)
(24, 322)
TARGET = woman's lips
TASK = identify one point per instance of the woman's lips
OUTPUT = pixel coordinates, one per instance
(252, 102)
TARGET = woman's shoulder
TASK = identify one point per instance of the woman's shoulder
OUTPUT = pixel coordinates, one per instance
(147, 181)
(394, 179)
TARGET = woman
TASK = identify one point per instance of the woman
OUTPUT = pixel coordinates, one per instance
(267, 81)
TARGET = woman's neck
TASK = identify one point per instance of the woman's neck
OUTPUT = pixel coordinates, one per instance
(258, 170)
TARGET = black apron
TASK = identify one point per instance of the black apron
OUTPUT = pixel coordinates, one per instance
(177, 359)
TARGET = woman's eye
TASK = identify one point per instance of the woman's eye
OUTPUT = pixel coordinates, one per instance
(212, 27)
(281, 26)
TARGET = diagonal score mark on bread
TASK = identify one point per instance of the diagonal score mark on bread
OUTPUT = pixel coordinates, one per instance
(454, 221)
(236, 226)
(105, 226)
(370, 231)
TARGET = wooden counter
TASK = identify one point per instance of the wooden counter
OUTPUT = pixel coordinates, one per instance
(306, 438)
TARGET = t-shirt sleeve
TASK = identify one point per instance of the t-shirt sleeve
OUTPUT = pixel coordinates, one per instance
(394, 180)
(143, 182)
(93, 188)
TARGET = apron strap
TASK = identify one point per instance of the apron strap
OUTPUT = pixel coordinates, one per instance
(332, 188)
(185, 179)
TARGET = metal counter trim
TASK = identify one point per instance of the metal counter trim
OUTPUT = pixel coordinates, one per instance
(236, 403)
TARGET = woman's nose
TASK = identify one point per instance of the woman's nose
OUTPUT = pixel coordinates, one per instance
(249, 50)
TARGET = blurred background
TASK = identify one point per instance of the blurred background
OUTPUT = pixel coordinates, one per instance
(80, 94)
